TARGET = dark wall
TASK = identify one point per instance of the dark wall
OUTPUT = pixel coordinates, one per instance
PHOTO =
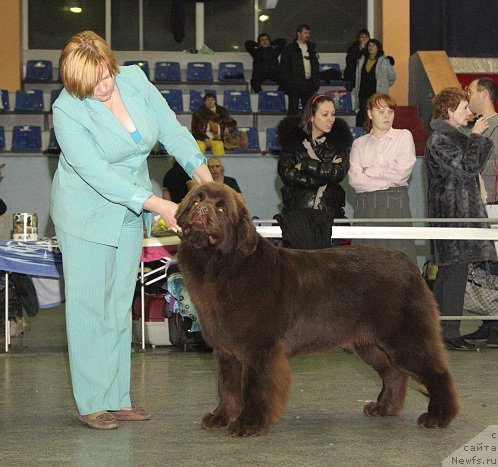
(462, 28)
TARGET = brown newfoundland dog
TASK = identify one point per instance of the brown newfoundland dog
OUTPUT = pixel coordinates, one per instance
(259, 304)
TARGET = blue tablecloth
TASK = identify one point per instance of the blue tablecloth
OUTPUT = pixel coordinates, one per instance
(34, 258)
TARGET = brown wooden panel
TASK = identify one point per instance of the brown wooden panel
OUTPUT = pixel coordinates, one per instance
(438, 69)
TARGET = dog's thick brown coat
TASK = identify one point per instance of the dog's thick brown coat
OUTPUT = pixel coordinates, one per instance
(259, 305)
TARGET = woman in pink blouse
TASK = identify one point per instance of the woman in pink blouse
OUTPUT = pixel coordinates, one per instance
(381, 162)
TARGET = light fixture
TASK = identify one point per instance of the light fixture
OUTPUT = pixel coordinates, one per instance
(263, 18)
(75, 9)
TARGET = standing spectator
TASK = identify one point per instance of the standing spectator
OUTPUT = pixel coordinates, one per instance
(482, 96)
(265, 64)
(211, 122)
(454, 161)
(107, 119)
(300, 70)
(374, 73)
(313, 161)
(355, 51)
(381, 164)
(483, 93)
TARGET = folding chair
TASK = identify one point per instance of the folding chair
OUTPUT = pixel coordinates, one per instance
(29, 101)
(196, 98)
(272, 142)
(54, 94)
(167, 72)
(357, 131)
(38, 70)
(26, 138)
(174, 99)
(252, 140)
(237, 101)
(53, 145)
(271, 102)
(200, 72)
(4, 100)
(231, 72)
(2, 139)
(143, 64)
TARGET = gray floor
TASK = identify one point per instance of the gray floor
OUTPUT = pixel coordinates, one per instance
(323, 425)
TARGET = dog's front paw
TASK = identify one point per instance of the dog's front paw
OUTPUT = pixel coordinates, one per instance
(238, 428)
(373, 409)
(212, 421)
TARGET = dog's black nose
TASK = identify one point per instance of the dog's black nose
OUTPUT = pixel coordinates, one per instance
(202, 209)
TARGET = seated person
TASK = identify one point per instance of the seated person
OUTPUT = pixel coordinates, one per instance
(217, 170)
(265, 64)
(210, 123)
(175, 183)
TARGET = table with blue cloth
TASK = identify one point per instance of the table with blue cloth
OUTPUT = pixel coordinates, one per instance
(41, 258)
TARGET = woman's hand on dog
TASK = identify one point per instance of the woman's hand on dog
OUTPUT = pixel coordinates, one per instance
(166, 209)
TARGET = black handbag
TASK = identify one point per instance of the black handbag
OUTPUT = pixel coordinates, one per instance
(481, 292)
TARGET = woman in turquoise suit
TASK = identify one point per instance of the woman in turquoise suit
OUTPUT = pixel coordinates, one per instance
(106, 120)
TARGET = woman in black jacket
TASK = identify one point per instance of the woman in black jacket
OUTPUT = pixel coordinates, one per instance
(314, 160)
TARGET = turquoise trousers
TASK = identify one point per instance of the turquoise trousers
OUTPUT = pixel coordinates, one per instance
(99, 285)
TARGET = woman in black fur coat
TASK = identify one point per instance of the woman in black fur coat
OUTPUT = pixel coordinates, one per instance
(454, 161)
(314, 160)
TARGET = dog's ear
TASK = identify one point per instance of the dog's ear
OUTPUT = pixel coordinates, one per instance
(247, 237)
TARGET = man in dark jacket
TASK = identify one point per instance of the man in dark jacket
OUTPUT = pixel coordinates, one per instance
(300, 70)
(265, 64)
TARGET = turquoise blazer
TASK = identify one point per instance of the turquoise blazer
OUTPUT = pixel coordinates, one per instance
(102, 172)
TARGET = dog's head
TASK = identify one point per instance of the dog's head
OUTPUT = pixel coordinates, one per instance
(213, 216)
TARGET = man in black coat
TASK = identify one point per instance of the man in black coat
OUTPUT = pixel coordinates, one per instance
(265, 53)
(300, 70)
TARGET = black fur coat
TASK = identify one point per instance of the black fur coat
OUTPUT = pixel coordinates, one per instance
(454, 161)
(301, 184)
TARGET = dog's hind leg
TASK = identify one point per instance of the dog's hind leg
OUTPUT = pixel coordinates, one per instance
(391, 398)
(429, 366)
(229, 391)
(443, 402)
(265, 387)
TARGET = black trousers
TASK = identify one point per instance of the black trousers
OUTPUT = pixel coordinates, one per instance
(258, 76)
(302, 95)
(449, 292)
